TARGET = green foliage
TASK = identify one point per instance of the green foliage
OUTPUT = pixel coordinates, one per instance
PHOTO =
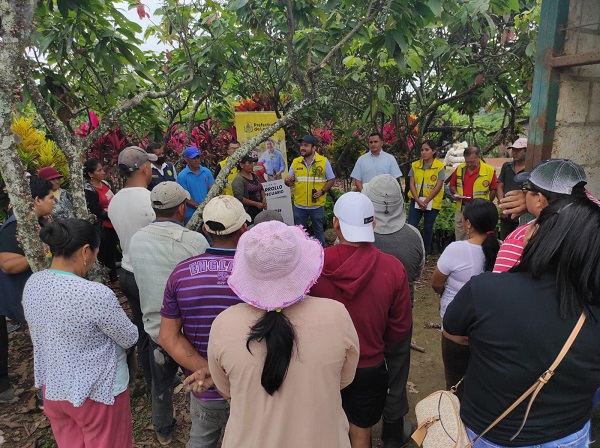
(329, 206)
(434, 60)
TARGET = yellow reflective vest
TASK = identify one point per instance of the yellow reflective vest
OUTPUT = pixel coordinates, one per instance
(228, 190)
(428, 178)
(481, 186)
(307, 179)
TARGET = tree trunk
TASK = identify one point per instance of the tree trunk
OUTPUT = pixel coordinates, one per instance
(66, 142)
(221, 180)
(15, 28)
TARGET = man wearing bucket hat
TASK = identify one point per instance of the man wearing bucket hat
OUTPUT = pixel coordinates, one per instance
(282, 356)
(195, 178)
(154, 251)
(374, 288)
(313, 178)
(130, 210)
(549, 181)
(395, 237)
(507, 182)
(195, 294)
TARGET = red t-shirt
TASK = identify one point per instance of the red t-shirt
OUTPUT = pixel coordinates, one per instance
(469, 180)
(105, 195)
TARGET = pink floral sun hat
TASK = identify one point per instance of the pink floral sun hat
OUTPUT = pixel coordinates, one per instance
(275, 265)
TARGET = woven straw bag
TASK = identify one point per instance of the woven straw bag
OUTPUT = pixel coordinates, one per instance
(440, 425)
(439, 420)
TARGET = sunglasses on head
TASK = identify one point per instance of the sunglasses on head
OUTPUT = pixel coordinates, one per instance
(529, 187)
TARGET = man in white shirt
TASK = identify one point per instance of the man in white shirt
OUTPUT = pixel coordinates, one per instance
(375, 162)
(130, 210)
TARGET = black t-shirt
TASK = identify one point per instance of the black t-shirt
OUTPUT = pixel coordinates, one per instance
(515, 332)
(12, 284)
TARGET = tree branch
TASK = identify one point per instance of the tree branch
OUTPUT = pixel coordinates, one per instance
(15, 31)
(71, 147)
(221, 180)
(294, 61)
(371, 15)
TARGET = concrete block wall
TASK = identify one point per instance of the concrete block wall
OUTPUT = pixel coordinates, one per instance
(577, 135)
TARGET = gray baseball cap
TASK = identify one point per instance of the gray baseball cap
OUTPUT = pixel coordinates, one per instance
(133, 157)
(168, 195)
(554, 175)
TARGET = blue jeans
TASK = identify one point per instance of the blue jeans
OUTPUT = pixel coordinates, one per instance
(208, 420)
(579, 439)
(317, 217)
(163, 369)
(596, 399)
(414, 217)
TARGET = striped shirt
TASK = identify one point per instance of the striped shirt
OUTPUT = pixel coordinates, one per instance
(511, 249)
(197, 292)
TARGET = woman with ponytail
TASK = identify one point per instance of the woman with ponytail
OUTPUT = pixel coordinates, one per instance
(283, 356)
(79, 333)
(459, 262)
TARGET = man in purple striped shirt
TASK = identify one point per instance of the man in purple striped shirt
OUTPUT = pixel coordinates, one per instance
(196, 292)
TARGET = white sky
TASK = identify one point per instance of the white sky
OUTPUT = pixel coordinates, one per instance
(151, 6)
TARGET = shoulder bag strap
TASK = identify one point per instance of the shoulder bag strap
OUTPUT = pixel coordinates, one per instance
(537, 386)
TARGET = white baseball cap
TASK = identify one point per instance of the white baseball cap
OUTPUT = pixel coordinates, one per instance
(356, 214)
(224, 215)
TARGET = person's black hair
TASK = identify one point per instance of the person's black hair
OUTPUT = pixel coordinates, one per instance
(483, 216)
(66, 236)
(471, 150)
(153, 147)
(279, 335)
(40, 188)
(432, 144)
(378, 134)
(233, 141)
(89, 167)
(578, 191)
(126, 170)
(165, 212)
(567, 245)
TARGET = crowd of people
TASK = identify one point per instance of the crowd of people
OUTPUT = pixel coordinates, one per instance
(285, 342)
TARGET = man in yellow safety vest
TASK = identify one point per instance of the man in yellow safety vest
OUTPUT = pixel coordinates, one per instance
(472, 179)
(313, 178)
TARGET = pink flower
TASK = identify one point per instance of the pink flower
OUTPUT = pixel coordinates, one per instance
(141, 10)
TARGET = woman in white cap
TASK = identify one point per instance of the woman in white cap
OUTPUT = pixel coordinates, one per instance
(282, 356)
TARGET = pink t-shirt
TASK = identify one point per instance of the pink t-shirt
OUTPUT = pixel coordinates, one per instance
(511, 250)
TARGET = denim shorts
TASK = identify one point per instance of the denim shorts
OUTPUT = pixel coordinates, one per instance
(579, 439)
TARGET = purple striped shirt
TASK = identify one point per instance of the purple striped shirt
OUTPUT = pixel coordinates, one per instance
(197, 292)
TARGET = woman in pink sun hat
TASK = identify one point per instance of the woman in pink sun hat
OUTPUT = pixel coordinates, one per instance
(283, 356)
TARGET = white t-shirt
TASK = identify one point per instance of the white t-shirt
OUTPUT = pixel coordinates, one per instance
(460, 261)
(129, 211)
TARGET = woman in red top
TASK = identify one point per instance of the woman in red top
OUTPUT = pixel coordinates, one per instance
(98, 195)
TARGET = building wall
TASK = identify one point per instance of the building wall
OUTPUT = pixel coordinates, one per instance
(577, 135)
